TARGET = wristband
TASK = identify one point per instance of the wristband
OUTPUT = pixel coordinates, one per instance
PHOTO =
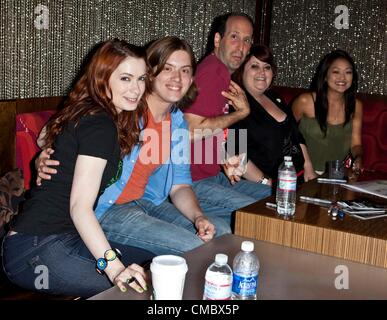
(109, 255)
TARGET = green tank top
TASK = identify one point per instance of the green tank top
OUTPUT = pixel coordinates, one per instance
(334, 146)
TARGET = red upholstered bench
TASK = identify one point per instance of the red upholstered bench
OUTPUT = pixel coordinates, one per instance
(28, 126)
(374, 134)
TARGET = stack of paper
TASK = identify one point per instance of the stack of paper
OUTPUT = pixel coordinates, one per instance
(364, 210)
(375, 187)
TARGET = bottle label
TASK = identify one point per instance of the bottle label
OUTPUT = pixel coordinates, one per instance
(217, 286)
(245, 286)
(287, 183)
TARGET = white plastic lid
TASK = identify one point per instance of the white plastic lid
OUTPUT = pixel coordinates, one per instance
(168, 264)
(288, 158)
(247, 246)
(221, 259)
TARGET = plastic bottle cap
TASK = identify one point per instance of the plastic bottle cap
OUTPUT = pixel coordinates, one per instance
(288, 158)
(247, 246)
(221, 259)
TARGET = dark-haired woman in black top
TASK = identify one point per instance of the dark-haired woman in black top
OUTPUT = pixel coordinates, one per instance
(272, 132)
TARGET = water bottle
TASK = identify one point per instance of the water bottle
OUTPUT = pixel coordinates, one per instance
(286, 188)
(245, 276)
(218, 279)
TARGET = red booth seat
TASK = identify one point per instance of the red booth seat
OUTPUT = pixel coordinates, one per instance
(374, 133)
(28, 126)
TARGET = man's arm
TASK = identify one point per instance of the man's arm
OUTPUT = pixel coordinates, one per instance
(198, 124)
(185, 201)
(202, 127)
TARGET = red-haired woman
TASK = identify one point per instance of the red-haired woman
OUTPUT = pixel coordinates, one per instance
(57, 244)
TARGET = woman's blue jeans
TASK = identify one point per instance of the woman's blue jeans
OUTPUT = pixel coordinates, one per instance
(59, 264)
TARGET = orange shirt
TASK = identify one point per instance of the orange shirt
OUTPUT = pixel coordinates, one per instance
(154, 151)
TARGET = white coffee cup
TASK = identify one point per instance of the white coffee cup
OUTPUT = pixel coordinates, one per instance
(168, 277)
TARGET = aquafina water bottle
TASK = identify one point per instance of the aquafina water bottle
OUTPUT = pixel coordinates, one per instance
(245, 273)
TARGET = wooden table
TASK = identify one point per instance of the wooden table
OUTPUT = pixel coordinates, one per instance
(313, 229)
(285, 273)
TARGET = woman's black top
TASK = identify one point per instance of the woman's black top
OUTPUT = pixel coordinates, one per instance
(268, 140)
(48, 209)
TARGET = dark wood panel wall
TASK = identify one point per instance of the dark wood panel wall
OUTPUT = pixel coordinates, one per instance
(263, 10)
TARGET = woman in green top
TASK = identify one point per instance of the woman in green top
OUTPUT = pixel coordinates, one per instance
(330, 116)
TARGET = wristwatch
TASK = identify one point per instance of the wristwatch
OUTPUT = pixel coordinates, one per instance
(263, 180)
(109, 255)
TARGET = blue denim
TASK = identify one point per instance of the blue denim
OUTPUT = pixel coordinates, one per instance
(140, 224)
(168, 212)
(218, 197)
(70, 265)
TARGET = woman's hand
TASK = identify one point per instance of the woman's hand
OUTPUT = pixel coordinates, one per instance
(42, 165)
(356, 169)
(232, 173)
(133, 276)
(206, 230)
(358, 165)
(235, 167)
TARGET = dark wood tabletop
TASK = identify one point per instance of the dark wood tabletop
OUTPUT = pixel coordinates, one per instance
(285, 273)
(317, 215)
(312, 228)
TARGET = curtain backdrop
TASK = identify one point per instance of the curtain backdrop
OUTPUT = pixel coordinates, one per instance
(302, 31)
(40, 57)
(41, 48)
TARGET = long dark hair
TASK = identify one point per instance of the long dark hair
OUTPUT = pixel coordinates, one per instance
(90, 95)
(320, 86)
(262, 53)
(158, 53)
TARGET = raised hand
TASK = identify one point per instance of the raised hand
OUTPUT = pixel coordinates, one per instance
(237, 98)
